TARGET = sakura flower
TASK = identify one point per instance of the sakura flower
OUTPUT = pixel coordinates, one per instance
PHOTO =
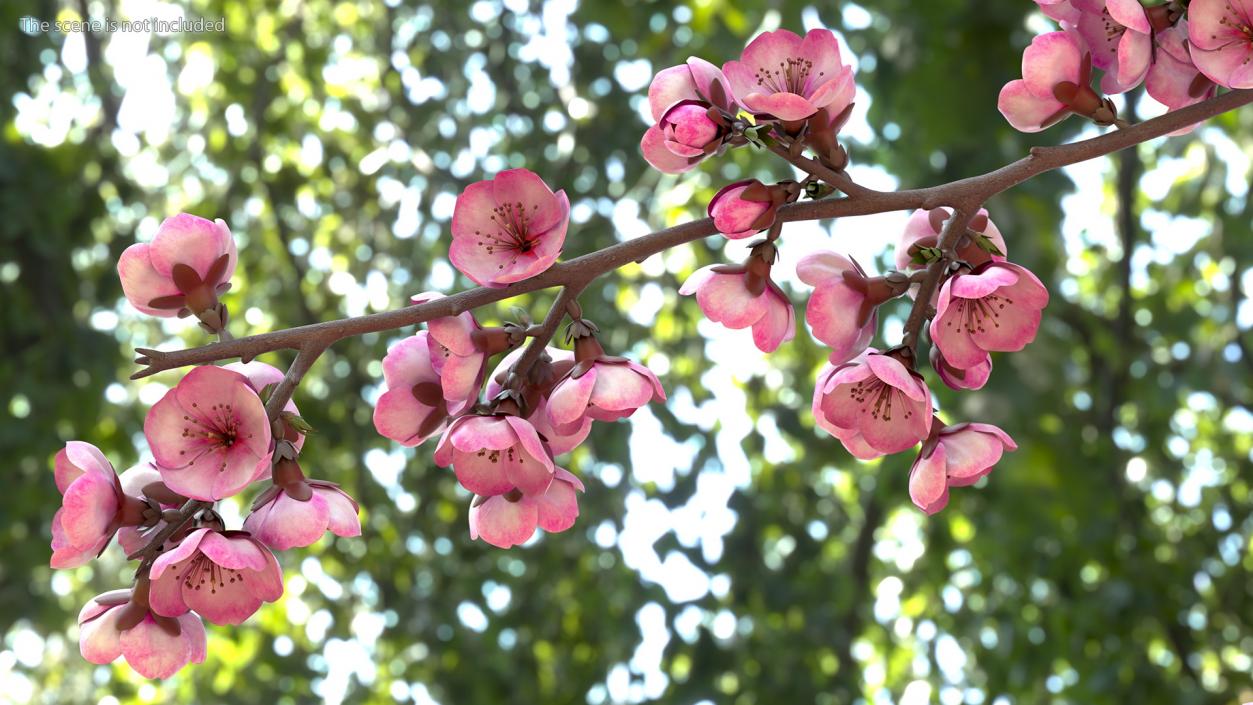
(681, 98)
(743, 208)
(119, 623)
(923, 229)
(843, 310)
(551, 366)
(1065, 11)
(740, 296)
(295, 512)
(460, 351)
(600, 387)
(1057, 70)
(493, 454)
(222, 575)
(510, 519)
(1221, 32)
(183, 269)
(261, 375)
(873, 404)
(413, 408)
(144, 480)
(93, 505)
(957, 378)
(954, 456)
(995, 308)
(790, 78)
(210, 435)
(508, 228)
(1173, 79)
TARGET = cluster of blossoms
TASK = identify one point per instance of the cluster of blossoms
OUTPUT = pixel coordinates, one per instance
(210, 438)
(1181, 51)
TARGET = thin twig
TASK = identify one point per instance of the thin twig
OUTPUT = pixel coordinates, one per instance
(548, 328)
(921, 311)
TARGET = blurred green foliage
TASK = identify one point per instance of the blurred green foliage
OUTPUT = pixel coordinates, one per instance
(1106, 561)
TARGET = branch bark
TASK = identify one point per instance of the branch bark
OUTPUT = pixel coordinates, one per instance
(961, 193)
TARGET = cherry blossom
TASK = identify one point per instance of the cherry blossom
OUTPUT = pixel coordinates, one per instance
(222, 575)
(459, 350)
(509, 519)
(743, 208)
(1221, 32)
(843, 310)
(495, 453)
(873, 404)
(295, 512)
(1056, 70)
(995, 308)
(954, 456)
(600, 387)
(680, 98)
(119, 623)
(973, 377)
(93, 505)
(554, 364)
(183, 270)
(740, 296)
(261, 375)
(508, 228)
(413, 408)
(1173, 79)
(209, 435)
(788, 77)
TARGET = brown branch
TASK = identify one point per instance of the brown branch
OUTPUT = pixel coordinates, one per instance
(838, 179)
(972, 190)
(921, 311)
(548, 328)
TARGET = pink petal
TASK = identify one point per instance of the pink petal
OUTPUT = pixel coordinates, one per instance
(154, 652)
(785, 106)
(777, 325)
(973, 451)
(705, 75)
(285, 523)
(558, 508)
(342, 519)
(1134, 54)
(99, 641)
(90, 505)
(193, 241)
(928, 487)
(725, 299)
(570, 398)
(1051, 59)
(982, 284)
(741, 78)
(670, 85)
(224, 601)
(233, 552)
(892, 372)
(184, 550)
(621, 387)
(1025, 111)
(1227, 65)
(543, 209)
(771, 49)
(653, 146)
(503, 523)
(193, 637)
(476, 433)
(165, 597)
(1130, 14)
(409, 362)
(454, 333)
(949, 334)
(398, 415)
(1213, 24)
(818, 268)
(462, 377)
(483, 474)
(734, 216)
(821, 47)
(77, 458)
(832, 313)
(266, 584)
(141, 283)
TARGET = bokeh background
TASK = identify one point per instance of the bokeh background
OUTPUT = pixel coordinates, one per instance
(727, 552)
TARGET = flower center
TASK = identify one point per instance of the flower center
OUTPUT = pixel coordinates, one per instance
(512, 231)
(200, 572)
(217, 429)
(1113, 29)
(875, 397)
(1233, 18)
(973, 315)
(791, 76)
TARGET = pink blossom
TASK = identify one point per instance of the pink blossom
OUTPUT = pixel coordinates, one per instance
(210, 435)
(840, 312)
(508, 228)
(954, 456)
(1221, 32)
(1065, 11)
(413, 408)
(184, 268)
(92, 506)
(261, 375)
(725, 293)
(112, 625)
(1056, 71)
(493, 454)
(510, 519)
(222, 575)
(995, 308)
(923, 230)
(680, 98)
(559, 363)
(458, 351)
(957, 378)
(143, 480)
(1173, 79)
(281, 520)
(602, 387)
(742, 208)
(873, 404)
(782, 75)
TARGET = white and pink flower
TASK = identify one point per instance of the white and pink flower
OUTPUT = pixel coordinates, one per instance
(679, 99)
(413, 408)
(726, 295)
(183, 270)
(493, 454)
(293, 517)
(873, 404)
(93, 505)
(995, 308)
(508, 228)
(954, 456)
(222, 575)
(1221, 32)
(1056, 71)
(783, 75)
(843, 310)
(509, 519)
(119, 623)
(601, 387)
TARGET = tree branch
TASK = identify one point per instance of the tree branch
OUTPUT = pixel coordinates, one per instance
(921, 311)
(975, 189)
(569, 293)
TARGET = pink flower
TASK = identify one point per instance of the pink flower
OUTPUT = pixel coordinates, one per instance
(1056, 71)
(143, 480)
(791, 78)
(680, 98)
(954, 456)
(281, 520)
(510, 519)
(1064, 11)
(726, 294)
(873, 404)
(843, 310)
(261, 375)
(508, 228)
(923, 230)
(995, 308)
(1221, 32)
(92, 506)
(603, 388)
(1173, 79)
(413, 408)
(222, 575)
(460, 351)
(559, 363)
(743, 208)
(183, 269)
(957, 378)
(210, 435)
(112, 625)
(493, 454)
